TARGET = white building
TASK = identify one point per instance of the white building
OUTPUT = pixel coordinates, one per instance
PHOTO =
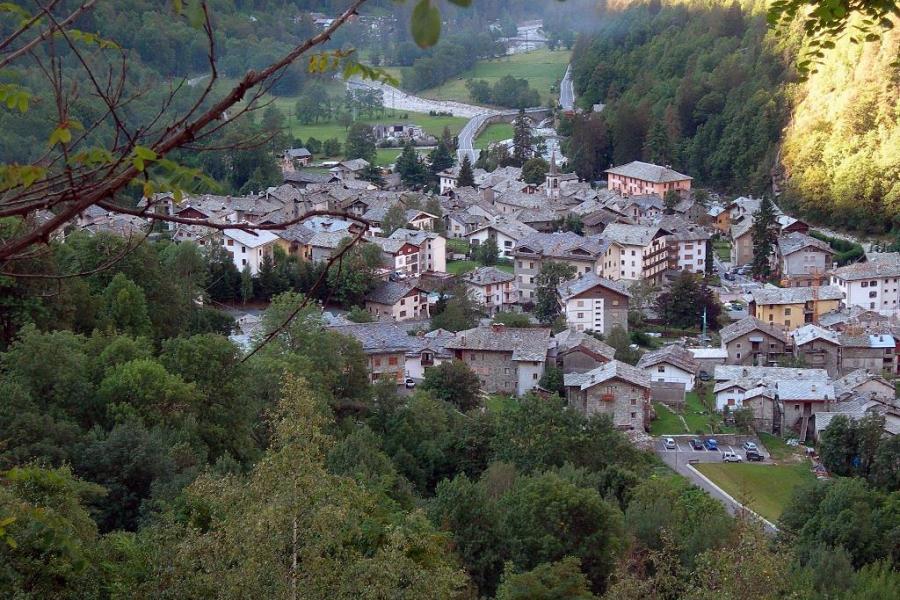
(871, 285)
(505, 231)
(637, 252)
(432, 248)
(732, 381)
(492, 289)
(248, 248)
(593, 303)
(670, 364)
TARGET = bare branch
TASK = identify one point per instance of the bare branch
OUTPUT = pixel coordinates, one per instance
(47, 33)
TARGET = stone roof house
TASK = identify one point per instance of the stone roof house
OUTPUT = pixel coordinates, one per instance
(615, 389)
(753, 342)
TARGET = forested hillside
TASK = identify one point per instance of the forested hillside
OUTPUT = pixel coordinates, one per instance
(707, 87)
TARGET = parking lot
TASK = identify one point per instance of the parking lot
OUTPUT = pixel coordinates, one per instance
(683, 453)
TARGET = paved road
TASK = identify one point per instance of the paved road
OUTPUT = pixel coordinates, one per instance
(397, 98)
(681, 458)
(567, 91)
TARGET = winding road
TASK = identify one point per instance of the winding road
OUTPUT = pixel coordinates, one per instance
(567, 91)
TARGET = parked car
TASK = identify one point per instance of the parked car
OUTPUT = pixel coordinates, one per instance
(731, 457)
(754, 456)
(728, 276)
(750, 446)
(669, 443)
(410, 383)
(697, 444)
(705, 376)
(712, 445)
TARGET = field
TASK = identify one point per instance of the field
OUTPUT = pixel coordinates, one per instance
(494, 133)
(458, 267)
(778, 449)
(723, 249)
(542, 68)
(666, 422)
(766, 489)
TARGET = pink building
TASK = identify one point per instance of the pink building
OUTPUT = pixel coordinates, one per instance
(644, 178)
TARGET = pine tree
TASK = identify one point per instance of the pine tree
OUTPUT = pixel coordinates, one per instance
(466, 177)
(409, 166)
(440, 159)
(523, 143)
(765, 234)
(657, 148)
(246, 284)
(448, 139)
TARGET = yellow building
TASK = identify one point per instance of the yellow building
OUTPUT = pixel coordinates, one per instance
(790, 308)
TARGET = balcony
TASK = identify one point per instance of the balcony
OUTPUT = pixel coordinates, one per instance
(607, 398)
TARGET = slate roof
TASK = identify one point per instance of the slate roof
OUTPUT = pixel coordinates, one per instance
(745, 326)
(414, 236)
(388, 245)
(298, 153)
(562, 245)
(304, 176)
(487, 276)
(390, 292)
(884, 340)
(792, 390)
(251, 239)
(588, 281)
(569, 339)
(854, 379)
(883, 266)
(794, 295)
(328, 239)
(794, 242)
(648, 172)
(809, 332)
(739, 372)
(298, 232)
(631, 235)
(379, 337)
(605, 372)
(509, 227)
(672, 354)
(526, 343)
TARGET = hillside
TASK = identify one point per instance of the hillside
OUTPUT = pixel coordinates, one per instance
(709, 88)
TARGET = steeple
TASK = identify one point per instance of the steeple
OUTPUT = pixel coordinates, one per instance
(552, 178)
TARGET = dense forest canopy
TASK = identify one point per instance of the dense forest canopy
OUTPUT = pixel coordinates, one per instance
(709, 88)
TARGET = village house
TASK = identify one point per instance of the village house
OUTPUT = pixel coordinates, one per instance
(595, 222)
(615, 389)
(584, 254)
(432, 248)
(817, 348)
(593, 303)
(492, 289)
(802, 260)
(709, 358)
(866, 384)
(733, 381)
(742, 242)
(643, 206)
(782, 405)
(385, 345)
(503, 231)
(856, 407)
(686, 245)
(349, 169)
(294, 158)
(398, 255)
(671, 364)
(294, 240)
(249, 248)
(871, 352)
(507, 360)
(753, 342)
(789, 308)
(638, 252)
(639, 177)
(872, 284)
(577, 351)
(322, 245)
(461, 223)
(398, 301)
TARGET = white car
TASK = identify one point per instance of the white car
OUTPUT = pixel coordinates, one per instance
(750, 446)
(731, 457)
(669, 443)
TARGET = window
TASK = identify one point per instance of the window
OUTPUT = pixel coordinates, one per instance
(507, 244)
(392, 361)
(873, 283)
(530, 265)
(580, 315)
(580, 303)
(787, 322)
(634, 415)
(506, 370)
(771, 346)
(633, 253)
(738, 355)
(402, 313)
(738, 344)
(534, 375)
(864, 284)
(230, 242)
(633, 401)
(587, 269)
(615, 302)
(796, 407)
(873, 294)
(520, 264)
(376, 362)
(787, 312)
(243, 249)
(661, 369)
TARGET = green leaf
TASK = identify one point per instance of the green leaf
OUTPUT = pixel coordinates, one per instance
(144, 153)
(195, 15)
(177, 6)
(426, 24)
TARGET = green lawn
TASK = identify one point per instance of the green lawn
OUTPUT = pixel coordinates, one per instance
(458, 267)
(723, 249)
(542, 68)
(494, 133)
(458, 245)
(666, 422)
(499, 402)
(766, 489)
(778, 450)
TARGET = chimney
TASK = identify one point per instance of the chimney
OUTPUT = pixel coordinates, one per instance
(813, 387)
(497, 327)
(746, 373)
